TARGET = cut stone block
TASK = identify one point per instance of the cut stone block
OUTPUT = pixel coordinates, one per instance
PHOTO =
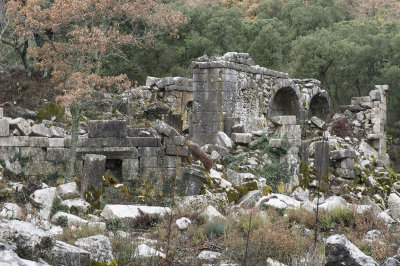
(129, 168)
(222, 140)
(93, 171)
(44, 198)
(149, 162)
(57, 155)
(318, 122)
(57, 132)
(41, 142)
(165, 129)
(241, 138)
(107, 128)
(4, 128)
(68, 191)
(342, 154)
(56, 142)
(66, 254)
(99, 246)
(22, 125)
(177, 150)
(284, 120)
(40, 130)
(150, 151)
(194, 178)
(127, 214)
(14, 141)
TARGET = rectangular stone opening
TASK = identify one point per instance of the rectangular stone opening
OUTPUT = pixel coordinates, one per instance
(114, 168)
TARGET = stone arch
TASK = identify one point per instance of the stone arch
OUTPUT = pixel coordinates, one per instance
(319, 106)
(285, 102)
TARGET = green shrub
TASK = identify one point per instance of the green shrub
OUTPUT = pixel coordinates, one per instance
(57, 207)
(50, 110)
(215, 227)
(62, 221)
(330, 219)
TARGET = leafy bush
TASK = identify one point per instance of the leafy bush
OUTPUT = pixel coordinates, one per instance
(57, 207)
(62, 221)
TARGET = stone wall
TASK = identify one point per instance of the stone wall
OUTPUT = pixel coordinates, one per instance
(38, 152)
(230, 90)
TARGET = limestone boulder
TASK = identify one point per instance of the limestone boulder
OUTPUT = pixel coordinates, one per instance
(194, 203)
(233, 177)
(241, 138)
(11, 211)
(210, 213)
(332, 203)
(45, 199)
(21, 125)
(392, 261)
(165, 129)
(79, 205)
(99, 246)
(40, 130)
(340, 251)
(68, 191)
(31, 242)
(183, 223)
(145, 251)
(250, 199)
(10, 258)
(208, 255)
(222, 140)
(127, 214)
(72, 220)
(279, 201)
(301, 194)
(394, 205)
(64, 254)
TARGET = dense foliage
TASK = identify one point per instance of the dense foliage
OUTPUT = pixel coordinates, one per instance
(348, 45)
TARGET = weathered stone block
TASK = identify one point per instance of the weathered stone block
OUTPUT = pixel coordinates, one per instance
(22, 125)
(194, 178)
(41, 142)
(4, 128)
(44, 198)
(57, 132)
(275, 142)
(342, 154)
(290, 131)
(149, 162)
(129, 168)
(346, 173)
(347, 163)
(170, 161)
(40, 130)
(93, 170)
(66, 254)
(1, 113)
(14, 141)
(107, 128)
(56, 142)
(145, 142)
(110, 152)
(284, 120)
(175, 140)
(318, 122)
(150, 151)
(242, 138)
(57, 155)
(177, 150)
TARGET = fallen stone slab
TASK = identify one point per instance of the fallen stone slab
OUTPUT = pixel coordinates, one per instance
(279, 201)
(44, 198)
(32, 243)
(241, 138)
(40, 130)
(99, 246)
(64, 254)
(340, 251)
(222, 140)
(22, 125)
(107, 128)
(218, 200)
(127, 214)
(145, 251)
(10, 258)
(284, 120)
(11, 211)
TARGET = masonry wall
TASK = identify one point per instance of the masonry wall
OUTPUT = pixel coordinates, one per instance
(230, 90)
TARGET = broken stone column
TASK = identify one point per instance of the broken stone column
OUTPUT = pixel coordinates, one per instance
(321, 159)
(93, 170)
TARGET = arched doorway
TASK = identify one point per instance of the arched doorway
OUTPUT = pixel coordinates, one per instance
(319, 106)
(285, 102)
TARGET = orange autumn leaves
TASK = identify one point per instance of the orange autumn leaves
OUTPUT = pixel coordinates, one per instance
(79, 35)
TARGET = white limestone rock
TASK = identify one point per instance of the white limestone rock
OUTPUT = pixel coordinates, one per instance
(126, 214)
(394, 205)
(45, 198)
(301, 194)
(211, 213)
(57, 132)
(40, 130)
(10, 258)
(79, 204)
(340, 251)
(34, 242)
(68, 191)
(250, 199)
(279, 201)
(271, 262)
(208, 255)
(72, 220)
(222, 140)
(66, 254)
(21, 125)
(218, 200)
(11, 211)
(332, 203)
(99, 246)
(183, 223)
(241, 138)
(145, 251)
(373, 236)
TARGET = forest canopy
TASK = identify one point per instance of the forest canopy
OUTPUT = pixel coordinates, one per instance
(349, 45)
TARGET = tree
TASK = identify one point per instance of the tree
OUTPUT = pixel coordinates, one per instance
(78, 36)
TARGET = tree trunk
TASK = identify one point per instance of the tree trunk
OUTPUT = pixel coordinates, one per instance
(76, 113)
